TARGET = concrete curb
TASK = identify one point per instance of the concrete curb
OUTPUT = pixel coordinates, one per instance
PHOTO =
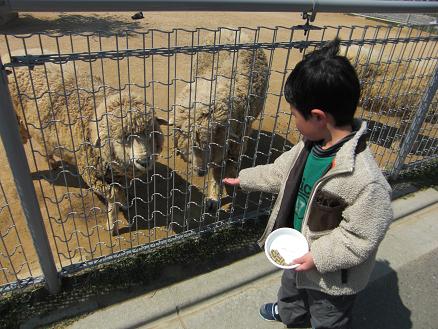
(414, 202)
(226, 298)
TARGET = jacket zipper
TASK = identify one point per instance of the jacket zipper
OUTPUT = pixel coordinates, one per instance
(315, 187)
(306, 213)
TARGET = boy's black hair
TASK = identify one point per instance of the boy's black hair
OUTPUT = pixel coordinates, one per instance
(326, 81)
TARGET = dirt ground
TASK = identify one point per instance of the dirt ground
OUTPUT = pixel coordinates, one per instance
(75, 218)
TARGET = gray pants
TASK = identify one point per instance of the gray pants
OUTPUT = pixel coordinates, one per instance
(297, 306)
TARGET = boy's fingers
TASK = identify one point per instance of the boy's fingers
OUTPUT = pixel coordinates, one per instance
(231, 181)
(298, 260)
(305, 262)
(300, 268)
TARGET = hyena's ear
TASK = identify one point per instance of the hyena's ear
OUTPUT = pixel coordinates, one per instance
(162, 121)
(97, 143)
(160, 116)
(24, 133)
(159, 140)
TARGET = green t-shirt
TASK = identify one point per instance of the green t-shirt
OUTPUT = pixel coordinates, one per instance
(318, 163)
(315, 167)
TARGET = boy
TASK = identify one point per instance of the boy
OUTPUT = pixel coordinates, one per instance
(329, 188)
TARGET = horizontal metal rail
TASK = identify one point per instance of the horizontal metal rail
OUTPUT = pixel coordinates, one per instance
(339, 6)
(13, 286)
(31, 60)
(418, 163)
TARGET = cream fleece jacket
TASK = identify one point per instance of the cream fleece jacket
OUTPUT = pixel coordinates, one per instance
(351, 247)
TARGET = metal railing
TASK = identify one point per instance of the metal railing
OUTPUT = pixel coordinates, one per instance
(333, 6)
(84, 147)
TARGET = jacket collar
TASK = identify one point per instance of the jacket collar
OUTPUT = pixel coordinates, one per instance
(345, 157)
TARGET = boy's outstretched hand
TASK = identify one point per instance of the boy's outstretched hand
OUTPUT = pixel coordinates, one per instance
(231, 181)
(306, 262)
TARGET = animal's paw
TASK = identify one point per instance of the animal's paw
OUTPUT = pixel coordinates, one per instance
(115, 229)
(211, 205)
(226, 207)
(54, 165)
(115, 232)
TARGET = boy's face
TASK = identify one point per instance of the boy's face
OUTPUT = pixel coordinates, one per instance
(313, 128)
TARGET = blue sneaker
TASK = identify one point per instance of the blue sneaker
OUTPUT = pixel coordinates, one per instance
(269, 312)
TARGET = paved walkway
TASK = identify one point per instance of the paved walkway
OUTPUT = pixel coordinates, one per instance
(401, 18)
(230, 296)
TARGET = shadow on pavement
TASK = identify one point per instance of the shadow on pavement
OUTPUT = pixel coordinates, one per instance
(379, 306)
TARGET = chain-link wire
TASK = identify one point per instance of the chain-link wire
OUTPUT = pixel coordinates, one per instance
(16, 271)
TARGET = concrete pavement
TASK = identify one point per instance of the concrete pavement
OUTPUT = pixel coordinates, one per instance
(230, 296)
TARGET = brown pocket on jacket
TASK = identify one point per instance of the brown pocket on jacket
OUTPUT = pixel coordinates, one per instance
(325, 213)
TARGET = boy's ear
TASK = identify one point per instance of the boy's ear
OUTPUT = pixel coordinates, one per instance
(319, 115)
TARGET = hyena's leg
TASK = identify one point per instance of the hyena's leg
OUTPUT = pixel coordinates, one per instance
(216, 191)
(213, 189)
(53, 164)
(113, 210)
(116, 197)
(216, 174)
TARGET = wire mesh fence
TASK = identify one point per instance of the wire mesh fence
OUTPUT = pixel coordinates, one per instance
(15, 262)
(128, 136)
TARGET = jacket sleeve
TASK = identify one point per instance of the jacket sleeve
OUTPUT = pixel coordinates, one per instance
(359, 234)
(268, 178)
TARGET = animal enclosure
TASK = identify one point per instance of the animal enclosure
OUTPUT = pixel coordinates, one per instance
(128, 136)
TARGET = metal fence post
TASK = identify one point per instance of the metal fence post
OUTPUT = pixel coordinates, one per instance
(20, 169)
(415, 126)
